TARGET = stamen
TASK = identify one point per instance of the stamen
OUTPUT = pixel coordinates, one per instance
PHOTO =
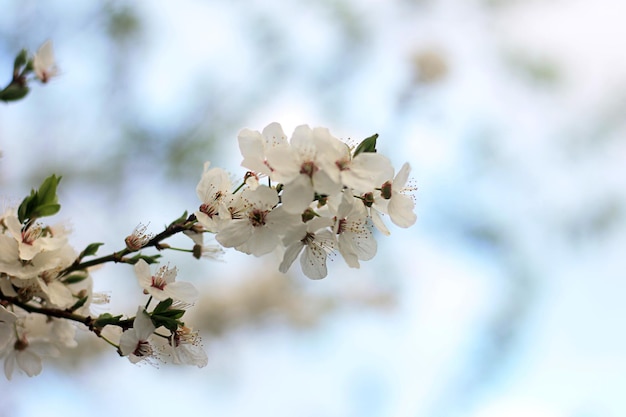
(308, 168)
(257, 217)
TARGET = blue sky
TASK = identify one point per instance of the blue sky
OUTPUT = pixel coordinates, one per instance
(509, 287)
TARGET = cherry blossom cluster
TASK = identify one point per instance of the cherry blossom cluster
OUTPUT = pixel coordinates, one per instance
(307, 197)
(321, 196)
(46, 291)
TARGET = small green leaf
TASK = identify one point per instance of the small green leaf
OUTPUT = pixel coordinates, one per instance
(48, 190)
(81, 302)
(74, 279)
(163, 306)
(173, 313)
(13, 92)
(182, 219)
(42, 202)
(20, 60)
(105, 319)
(46, 210)
(26, 207)
(149, 259)
(169, 323)
(368, 145)
(90, 250)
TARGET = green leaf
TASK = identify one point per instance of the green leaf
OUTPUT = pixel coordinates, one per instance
(48, 190)
(74, 279)
(81, 302)
(105, 319)
(20, 60)
(169, 323)
(163, 306)
(182, 219)
(25, 208)
(13, 92)
(90, 250)
(46, 210)
(368, 145)
(42, 202)
(173, 313)
(149, 259)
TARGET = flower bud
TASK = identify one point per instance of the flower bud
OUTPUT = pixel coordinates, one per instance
(197, 251)
(308, 214)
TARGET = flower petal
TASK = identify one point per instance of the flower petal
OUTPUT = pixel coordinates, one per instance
(144, 275)
(298, 195)
(182, 291)
(143, 324)
(290, 255)
(400, 210)
(313, 262)
(29, 362)
(401, 177)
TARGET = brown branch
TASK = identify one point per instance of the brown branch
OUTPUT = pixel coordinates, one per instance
(116, 257)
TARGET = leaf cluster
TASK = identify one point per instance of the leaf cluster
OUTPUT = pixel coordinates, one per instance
(164, 315)
(42, 202)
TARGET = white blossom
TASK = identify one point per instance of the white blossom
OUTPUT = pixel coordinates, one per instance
(258, 230)
(186, 348)
(299, 168)
(254, 146)
(316, 240)
(360, 172)
(214, 186)
(138, 238)
(134, 341)
(27, 356)
(162, 285)
(44, 64)
(354, 237)
(36, 337)
(399, 205)
(33, 240)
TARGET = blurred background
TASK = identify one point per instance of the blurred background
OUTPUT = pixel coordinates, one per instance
(505, 299)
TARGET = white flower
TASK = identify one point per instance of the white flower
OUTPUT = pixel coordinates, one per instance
(258, 231)
(139, 238)
(12, 264)
(299, 168)
(33, 240)
(45, 281)
(162, 285)
(214, 186)
(186, 348)
(44, 64)
(354, 237)
(134, 342)
(360, 173)
(399, 206)
(317, 245)
(34, 337)
(372, 204)
(27, 355)
(254, 145)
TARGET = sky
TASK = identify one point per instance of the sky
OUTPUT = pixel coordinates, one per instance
(509, 287)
